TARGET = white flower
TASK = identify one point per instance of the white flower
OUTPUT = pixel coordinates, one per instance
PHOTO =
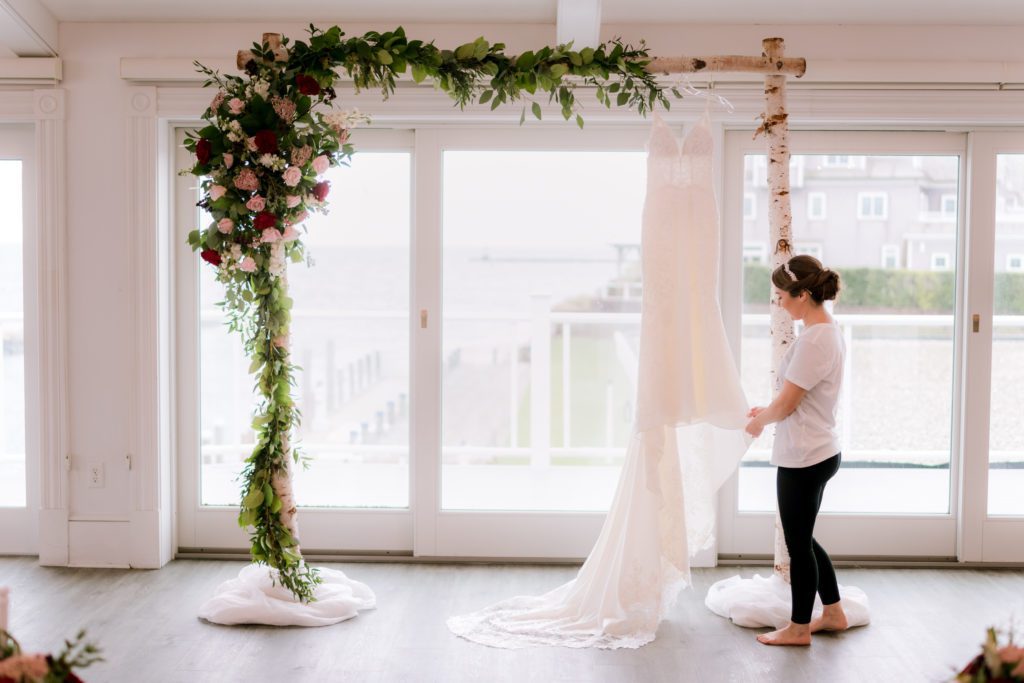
(236, 252)
(346, 119)
(277, 262)
(259, 87)
(267, 160)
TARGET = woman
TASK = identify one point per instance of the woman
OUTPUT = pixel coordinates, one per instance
(806, 447)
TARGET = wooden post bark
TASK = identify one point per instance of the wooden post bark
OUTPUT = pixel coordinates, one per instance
(273, 40)
(775, 126)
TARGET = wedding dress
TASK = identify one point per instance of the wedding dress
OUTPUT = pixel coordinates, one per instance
(687, 435)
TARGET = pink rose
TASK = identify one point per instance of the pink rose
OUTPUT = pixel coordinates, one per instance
(218, 100)
(271, 235)
(247, 180)
(225, 225)
(217, 191)
(321, 164)
(281, 342)
(248, 265)
(300, 216)
(229, 160)
(250, 144)
(256, 203)
(235, 106)
(292, 176)
(291, 201)
(1010, 654)
(290, 234)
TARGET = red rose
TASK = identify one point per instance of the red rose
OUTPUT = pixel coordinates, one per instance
(210, 256)
(321, 189)
(266, 142)
(307, 84)
(202, 150)
(264, 220)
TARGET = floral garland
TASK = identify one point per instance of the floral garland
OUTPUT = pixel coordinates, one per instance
(270, 136)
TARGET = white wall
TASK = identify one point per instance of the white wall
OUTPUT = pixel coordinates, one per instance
(101, 341)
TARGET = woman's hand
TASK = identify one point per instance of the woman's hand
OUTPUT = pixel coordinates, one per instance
(755, 427)
(755, 411)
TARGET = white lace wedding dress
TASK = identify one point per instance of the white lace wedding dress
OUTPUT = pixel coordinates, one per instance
(687, 436)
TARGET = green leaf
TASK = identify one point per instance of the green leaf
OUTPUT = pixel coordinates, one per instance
(558, 70)
(579, 121)
(419, 73)
(587, 55)
(576, 59)
(622, 98)
(485, 95)
(253, 500)
(522, 117)
(536, 110)
(526, 61)
(464, 52)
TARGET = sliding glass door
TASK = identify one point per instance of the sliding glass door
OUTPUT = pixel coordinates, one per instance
(18, 462)
(883, 209)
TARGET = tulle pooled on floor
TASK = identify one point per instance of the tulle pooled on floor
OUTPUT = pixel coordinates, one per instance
(255, 597)
(758, 602)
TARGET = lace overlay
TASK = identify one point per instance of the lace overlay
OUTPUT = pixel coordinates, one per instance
(687, 436)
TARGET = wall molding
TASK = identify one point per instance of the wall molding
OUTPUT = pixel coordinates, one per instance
(49, 112)
(149, 403)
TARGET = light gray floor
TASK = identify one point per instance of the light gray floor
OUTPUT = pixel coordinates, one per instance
(926, 622)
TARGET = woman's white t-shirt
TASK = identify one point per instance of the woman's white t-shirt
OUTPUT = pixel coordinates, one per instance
(814, 363)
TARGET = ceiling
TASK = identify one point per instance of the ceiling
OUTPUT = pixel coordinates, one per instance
(911, 12)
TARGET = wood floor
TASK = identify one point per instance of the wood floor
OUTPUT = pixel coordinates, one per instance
(926, 622)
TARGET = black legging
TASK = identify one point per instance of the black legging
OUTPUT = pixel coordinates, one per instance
(800, 490)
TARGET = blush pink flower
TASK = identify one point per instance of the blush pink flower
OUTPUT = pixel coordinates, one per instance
(270, 236)
(281, 341)
(236, 106)
(291, 201)
(250, 144)
(256, 203)
(321, 164)
(217, 191)
(290, 234)
(229, 160)
(292, 176)
(218, 100)
(248, 265)
(284, 108)
(247, 180)
(225, 225)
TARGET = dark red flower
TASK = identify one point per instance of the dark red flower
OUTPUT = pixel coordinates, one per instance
(307, 84)
(203, 150)
(321, 189)
(266, 142)
(210, 256)
(264, 220)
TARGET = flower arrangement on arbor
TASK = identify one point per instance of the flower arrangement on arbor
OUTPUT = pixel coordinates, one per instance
(270, 136)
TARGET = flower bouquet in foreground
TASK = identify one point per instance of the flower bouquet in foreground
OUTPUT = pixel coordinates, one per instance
(1002, 663)
(17, 667)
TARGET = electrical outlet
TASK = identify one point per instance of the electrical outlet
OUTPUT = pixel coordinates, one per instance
(94, 475)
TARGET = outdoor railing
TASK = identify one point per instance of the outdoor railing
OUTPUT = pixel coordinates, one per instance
(539, 328)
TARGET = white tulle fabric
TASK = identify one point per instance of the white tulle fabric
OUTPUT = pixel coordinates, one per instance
(256, 598)
(759, 601)
(687, 437)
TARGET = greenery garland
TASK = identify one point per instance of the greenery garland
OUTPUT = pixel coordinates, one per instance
(271, 134)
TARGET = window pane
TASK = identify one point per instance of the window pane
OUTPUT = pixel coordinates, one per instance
(12, 339)
(1006, 433)
(895, 411)
(350, 336)
(541, 323)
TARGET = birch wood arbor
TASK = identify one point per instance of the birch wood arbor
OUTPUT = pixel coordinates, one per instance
(268, 121)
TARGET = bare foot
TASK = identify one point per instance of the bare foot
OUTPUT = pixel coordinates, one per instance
(832, 619)
(794, 634)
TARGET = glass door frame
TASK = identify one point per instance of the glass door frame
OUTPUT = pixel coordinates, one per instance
(21, 524)
(933, 536)
(202, 528)
(983, 538)
(521, 535)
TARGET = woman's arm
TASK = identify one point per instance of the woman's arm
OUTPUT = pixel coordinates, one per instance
(781, 408)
